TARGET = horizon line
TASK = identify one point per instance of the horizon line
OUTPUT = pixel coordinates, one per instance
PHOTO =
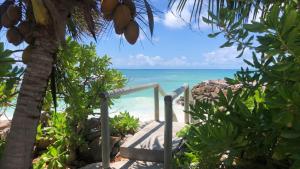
(178, 68)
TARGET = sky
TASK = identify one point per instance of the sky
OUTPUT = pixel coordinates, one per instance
(174, 45)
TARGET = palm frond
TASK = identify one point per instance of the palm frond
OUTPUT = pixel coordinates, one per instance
(248, 9)
(86, 19)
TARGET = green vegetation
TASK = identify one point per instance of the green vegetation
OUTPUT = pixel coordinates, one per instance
(77, 82)
(56, 138)
(123, 124)
(10, 76)
(258, 126)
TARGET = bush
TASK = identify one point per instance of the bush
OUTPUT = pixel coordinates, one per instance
(77, 83)
(57, 135)
(258, 126)
(124, 124)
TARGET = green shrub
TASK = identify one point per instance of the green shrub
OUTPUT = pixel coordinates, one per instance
(258, 126)
(124, 124)
(77, 83)
(57, 152)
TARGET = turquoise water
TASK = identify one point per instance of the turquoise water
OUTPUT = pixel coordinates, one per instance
(141, 104)
(171, 79)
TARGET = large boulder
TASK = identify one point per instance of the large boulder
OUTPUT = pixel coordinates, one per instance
(93, 152)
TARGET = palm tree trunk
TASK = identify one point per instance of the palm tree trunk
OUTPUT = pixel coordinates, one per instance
(20, 141)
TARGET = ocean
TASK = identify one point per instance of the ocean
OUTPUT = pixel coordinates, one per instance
(141, 104)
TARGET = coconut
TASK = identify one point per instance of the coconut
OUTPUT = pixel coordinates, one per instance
(108, 6)
(108, 16)
(26, 54)
(132, 32)
(14, 36)
(117, 30)
(29, 39)
(131, 6)
(24, 28)
(5, 5)
(14, 13)
(6, 22)
(122, 17)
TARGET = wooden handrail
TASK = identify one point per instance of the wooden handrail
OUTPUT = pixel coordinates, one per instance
(105, 96)
(169, 98)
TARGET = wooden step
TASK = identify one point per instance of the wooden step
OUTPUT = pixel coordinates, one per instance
(127, 164)
(148, 144)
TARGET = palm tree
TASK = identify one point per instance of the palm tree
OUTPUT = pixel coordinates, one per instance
(50, 21)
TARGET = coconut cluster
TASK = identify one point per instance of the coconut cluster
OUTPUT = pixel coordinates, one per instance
(122, 13)
(17, 29)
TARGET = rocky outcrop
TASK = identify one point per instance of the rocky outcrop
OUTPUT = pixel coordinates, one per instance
(209, 90)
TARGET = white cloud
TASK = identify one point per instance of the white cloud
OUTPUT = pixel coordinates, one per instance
(221, 58)
(144, 61)
(174, 20)
(224, 58)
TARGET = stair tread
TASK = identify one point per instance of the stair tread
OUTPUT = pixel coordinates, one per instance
(148, 144)
(127, 164)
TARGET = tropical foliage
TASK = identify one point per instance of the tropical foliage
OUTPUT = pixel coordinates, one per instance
(56, 133)
(78, 80)
(123, 124)
(10, 77)
(258, 126)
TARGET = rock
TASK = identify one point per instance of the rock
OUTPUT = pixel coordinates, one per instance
(43, 143)
(4, 124)
(94, 151)
(93, 134)
(209, 90)
(93, 123)
(4, 128)
(4, 133)
(214, 95)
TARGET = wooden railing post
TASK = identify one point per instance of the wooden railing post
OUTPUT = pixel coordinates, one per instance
(156, 103)
(105, 136)
(186, 104)
(168, 132)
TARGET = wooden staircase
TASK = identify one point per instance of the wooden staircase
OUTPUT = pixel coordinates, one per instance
(153, 146)
(145, 150)
(148, 144)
